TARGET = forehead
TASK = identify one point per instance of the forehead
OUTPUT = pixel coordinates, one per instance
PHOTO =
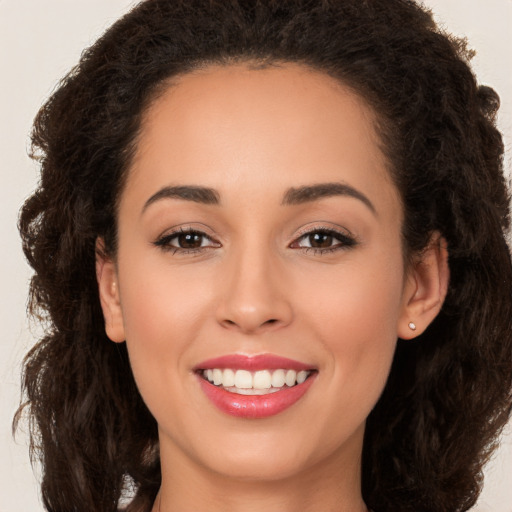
(286, 124)
(285, 96)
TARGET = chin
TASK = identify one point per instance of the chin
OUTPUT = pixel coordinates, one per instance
(261, 466)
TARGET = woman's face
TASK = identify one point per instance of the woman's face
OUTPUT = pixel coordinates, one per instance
(259, 239)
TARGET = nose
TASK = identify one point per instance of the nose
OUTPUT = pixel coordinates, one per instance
(254, 297)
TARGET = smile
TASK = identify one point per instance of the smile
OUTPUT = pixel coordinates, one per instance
(254, 386)
(261, 382)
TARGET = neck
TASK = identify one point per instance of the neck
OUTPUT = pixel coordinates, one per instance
(327, 485)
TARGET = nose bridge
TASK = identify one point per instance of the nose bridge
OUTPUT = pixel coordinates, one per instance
(253, 295)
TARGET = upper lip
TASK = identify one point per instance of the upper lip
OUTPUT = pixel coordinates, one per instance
(253, 363)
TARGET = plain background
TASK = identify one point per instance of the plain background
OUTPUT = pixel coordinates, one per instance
(40, 40)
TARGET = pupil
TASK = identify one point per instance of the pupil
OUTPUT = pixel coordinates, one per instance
(320, 240)
(190, 240)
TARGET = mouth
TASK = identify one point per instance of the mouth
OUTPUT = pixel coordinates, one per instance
(262, 382)
(254, 386)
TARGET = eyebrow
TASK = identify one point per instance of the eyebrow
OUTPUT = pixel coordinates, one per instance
(196, 194)
(317, 191)
(293, 196)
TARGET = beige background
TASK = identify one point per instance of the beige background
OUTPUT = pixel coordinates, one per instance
(39, 41)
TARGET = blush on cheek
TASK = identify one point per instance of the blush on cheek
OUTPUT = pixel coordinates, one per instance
(358, 321)
(162, 317)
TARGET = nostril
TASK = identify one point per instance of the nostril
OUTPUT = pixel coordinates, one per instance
(252, 320)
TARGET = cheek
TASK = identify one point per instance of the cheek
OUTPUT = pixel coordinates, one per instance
(162, 318)
(360, 296)
(160, 301)
(354, 313)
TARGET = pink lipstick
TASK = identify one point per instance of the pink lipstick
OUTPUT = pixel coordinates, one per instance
(254, 386)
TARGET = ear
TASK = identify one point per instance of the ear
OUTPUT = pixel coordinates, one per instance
(425, 289)
(106, 275)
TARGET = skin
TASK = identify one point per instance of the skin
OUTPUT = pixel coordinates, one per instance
(256, 287)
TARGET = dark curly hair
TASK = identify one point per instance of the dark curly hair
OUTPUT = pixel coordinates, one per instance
(448, 395)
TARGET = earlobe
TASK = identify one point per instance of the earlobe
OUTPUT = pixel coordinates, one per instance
(106, 276)
(425, 289)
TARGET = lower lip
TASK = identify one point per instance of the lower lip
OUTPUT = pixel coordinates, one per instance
(255, 406)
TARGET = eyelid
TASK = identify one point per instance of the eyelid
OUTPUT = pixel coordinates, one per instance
(174, 234)
(345, 238)
(326, 227)
(187, 227)
(163, 240)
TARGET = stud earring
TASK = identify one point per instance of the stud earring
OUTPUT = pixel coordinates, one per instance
(412, 326)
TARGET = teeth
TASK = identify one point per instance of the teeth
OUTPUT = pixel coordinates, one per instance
(243, 379)
(217, 376)
(291, 376)
(257, 383)
(278, 379)
(228, 378)
(302, 376)
(262, 380)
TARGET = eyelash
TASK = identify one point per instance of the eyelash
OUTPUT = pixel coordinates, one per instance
(345, 241)
(165, 241)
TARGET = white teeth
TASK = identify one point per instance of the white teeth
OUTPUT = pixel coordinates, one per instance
(278, 379)
(262, 380)
(252, 391)
(302, 376)
(228, 378)
(291, 377)
(243, 379)
(217, 376)
(257, 383)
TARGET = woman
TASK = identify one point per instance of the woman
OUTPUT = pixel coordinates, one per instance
(242, 208)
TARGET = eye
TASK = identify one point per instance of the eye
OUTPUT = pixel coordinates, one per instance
(319, 240)
(324, 240)
(186, 240)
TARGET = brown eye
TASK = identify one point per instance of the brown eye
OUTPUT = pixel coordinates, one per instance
(324, 240)
(183, 241)
(189, 240)
(320, 240)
